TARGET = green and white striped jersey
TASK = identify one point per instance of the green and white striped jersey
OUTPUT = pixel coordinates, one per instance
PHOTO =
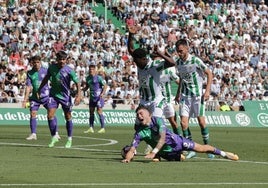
(191, 73)
(149, 81)
(167, 76)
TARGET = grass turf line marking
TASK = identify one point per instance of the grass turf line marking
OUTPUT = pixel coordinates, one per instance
(134, 184)
(116, 151)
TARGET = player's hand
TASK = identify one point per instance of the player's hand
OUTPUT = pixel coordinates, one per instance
(133, 29)
(77, 100)
(206, 96)
(150, 156)
(125, 161)
(23, 105)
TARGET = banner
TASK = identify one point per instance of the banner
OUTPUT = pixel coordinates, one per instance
(256, 115)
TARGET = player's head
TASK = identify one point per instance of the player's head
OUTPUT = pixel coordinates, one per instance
(61, 57)
(182, 48)
(36, 62)
(92, 69)
(143, 115)
(140, 57)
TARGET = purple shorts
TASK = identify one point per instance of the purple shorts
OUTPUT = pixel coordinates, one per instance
(99, 103)
(183, 144)
(35, 104)
(65, 104)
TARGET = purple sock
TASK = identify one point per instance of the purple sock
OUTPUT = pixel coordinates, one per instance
(91, 120)
(33, 124)
(55, 121)
(217, 151)
(101, 120)
(52, 126)
(69, 127)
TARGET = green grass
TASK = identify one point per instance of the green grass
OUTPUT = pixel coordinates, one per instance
(94, 160)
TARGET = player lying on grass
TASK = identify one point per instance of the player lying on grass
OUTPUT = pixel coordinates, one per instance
(170, 145)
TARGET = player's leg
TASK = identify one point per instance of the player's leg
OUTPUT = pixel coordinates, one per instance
(100, 105)
(52, 123)
(33, 125)
(49, 104)
(91, 118)
(215, 151)
(170, 114)
(34, 106)
(187, 134)
(69, 127)
(204, 132)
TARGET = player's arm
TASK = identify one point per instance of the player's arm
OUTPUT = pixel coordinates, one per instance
(85, 88)
(130, 45)
(130, 154)
(169, 61)
(104, 88)
(78, 95)
(26, 96)
(208, 72)
(43, 83)
(161, 141)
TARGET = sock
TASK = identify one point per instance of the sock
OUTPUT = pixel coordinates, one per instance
(69, 127)
(56, 123)
(33, 125)
(91, 120)
(187, 133)
(219, 152)
(177, 130)
(101, 120)
(205, 135)
(52, 126)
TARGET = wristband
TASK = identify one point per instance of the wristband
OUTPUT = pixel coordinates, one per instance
(155, 150)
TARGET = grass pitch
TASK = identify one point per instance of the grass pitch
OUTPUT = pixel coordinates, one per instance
(94, 160)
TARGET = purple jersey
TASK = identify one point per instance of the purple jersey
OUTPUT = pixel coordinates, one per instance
(95, 84)
(150, 134)
(34, 79)
(61, 81)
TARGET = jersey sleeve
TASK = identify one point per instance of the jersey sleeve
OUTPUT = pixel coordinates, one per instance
(172, 73)
(200, 63)
(28, 79)
(136, 140)
(74, 76)
(101, 81)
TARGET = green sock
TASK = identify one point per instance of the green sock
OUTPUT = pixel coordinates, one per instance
(187, 133)
(176, 131)
(205, 135)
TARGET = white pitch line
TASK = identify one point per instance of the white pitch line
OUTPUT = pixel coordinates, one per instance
(112, 142)
(134, 184)
(239, 161)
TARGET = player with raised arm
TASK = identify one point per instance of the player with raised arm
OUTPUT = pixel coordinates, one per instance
(149, 73)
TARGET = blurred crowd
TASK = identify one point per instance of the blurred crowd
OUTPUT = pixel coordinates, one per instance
(231, 37)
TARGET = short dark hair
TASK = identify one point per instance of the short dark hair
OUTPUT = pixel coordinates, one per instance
(36, 58)
(143, 107)
(183, 42)
(61, 55)
(139, 53)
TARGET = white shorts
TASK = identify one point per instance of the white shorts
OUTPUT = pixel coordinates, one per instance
(192, 107)
(168, 110)
(154, 107)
